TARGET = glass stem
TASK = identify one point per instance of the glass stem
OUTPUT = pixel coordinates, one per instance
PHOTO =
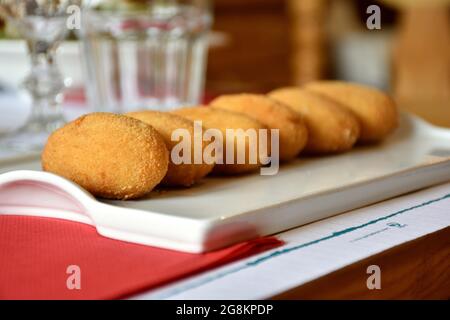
(45, 85)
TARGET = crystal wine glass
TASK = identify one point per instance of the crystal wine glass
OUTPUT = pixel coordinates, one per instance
(43, 25)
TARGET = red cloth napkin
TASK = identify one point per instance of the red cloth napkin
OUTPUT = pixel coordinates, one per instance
(36, 252)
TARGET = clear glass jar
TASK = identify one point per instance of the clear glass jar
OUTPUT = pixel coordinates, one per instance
(145, 54)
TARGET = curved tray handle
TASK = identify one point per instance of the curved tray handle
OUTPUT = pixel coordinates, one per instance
(43, 194)
(440, 136)
(36, 193)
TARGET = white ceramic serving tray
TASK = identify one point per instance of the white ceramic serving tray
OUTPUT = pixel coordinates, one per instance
(221, 211)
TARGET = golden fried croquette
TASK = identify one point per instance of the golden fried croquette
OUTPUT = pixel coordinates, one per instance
(332, 128)
(111, 156)
(375, 110)
(184, 174)
(214, 118)
(273, 114)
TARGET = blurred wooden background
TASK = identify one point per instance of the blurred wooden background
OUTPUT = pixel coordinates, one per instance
(273, 43)
(265, 44)
(270, 43)
(256, 56)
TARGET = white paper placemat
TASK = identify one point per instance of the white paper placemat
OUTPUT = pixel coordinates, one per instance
(320, 248)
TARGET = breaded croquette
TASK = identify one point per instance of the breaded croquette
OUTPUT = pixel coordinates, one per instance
(112, 156)
(183, 174)
(214, 118)
(332, 128)
(375, 110)
(273, 114)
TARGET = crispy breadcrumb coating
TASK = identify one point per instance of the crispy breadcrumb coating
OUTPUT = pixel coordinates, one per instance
(112, 156)
(185, 174)
(375, 110)
(332, 128)
(214, 118)
(273, 114)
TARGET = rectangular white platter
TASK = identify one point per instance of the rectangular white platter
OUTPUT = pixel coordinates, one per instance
(221, 211)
